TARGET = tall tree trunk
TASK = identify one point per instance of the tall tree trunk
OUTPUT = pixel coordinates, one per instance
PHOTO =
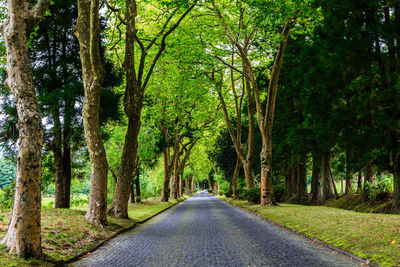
(67, 173)
(175, 177)
(137, 181)
(180, 186)
(119, 206)
(165, 185)
(187, 186)
(316, 177)
(88, 33)
(192, 184)
(58, 160)
(348, 174)
(235, 178)
(302, 180)
(133, 103)
(23, 235)
(69, 102)
(294, 180)
(248, 174)
(359, 182)
(288, 184)
(248, 163)
(131, 193)
(327, 185)
(266, 122)
(368, 180)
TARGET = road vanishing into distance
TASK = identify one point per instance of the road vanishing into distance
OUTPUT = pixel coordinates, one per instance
(205, 231)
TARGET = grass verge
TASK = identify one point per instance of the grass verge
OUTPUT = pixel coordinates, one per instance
(375, 237)
(66, 235)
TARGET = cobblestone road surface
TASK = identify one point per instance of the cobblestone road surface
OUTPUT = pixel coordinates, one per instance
(204, 231)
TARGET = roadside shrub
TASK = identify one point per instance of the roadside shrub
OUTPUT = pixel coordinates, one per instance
(228, 193)
(7, 196)
(382, 190)
(252, 195)
(240, 193)
(48, 206)
(78, 201)
(280, 192)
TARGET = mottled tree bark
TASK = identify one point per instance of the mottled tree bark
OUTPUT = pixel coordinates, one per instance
(327, 185)
(265, 122)
(192, 187)
(316, 189)
(88, 33)
(187, 192)
(235, 178)
(133, 103)
(23, 235)
(119, 206)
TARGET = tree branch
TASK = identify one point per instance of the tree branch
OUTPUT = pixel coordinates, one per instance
(38, 11)
(229, 65)
(162, 47)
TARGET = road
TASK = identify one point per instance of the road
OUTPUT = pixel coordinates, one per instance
(205, 231)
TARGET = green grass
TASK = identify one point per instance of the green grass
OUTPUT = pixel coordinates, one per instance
(66, 234)
(375, 237)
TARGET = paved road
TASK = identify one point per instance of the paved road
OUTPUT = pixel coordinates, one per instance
(204, 231)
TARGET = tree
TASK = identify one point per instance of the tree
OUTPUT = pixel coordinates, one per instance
(88, 33)
(57, 72)
(23, 235)
(136, 83)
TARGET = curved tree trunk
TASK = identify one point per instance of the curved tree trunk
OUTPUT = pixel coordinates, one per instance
(119, 206)
(87, 31)
(23, 235)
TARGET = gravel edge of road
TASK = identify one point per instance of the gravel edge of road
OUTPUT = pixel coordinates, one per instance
(353, 257)
(121, 231)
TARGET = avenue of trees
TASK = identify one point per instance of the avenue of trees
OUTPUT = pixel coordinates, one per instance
(276, 100)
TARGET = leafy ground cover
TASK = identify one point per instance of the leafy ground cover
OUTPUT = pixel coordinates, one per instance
(66, 234)
(375, 237)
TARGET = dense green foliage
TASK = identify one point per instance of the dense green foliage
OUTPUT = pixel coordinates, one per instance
(7, 172)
